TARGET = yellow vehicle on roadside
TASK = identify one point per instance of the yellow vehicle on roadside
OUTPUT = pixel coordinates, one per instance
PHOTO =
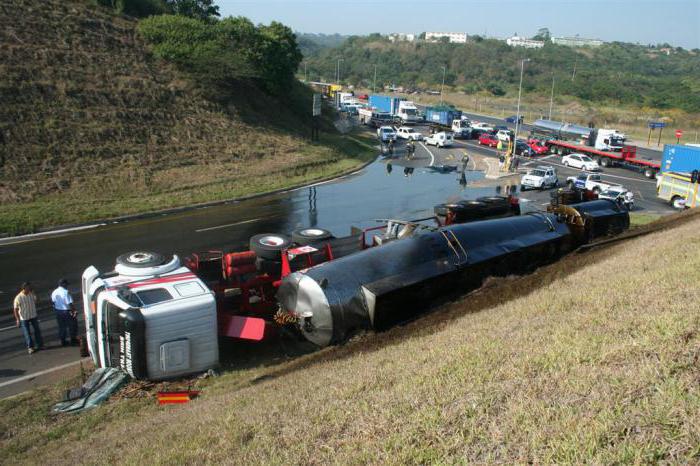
(679, 189)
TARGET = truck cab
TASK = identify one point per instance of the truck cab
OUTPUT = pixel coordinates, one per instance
(151, 317)
(609, 140)
(407, 112)
(461, 128)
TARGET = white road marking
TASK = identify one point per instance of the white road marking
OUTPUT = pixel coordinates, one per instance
(432, 157)
(46, 234)
(8, 328)
(40, 373)
(218, 227)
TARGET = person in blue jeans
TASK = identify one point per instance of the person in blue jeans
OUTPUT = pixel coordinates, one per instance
(24, 308)
(66, 315)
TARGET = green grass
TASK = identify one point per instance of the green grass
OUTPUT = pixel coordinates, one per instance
(555, 367)
(638, 219)
(333, 156)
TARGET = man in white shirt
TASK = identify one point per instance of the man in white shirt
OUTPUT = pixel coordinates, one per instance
(24, 307)
(66, 316)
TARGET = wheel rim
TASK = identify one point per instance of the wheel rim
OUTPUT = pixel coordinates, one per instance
(312, 232)
(271, 240)
(140, 257)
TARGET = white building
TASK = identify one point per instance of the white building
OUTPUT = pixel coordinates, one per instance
(402, 37)
(517, 41)
(453, 37)
(577, 41)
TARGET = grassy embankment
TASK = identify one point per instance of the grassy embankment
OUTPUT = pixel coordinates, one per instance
(93, 125)
(560, 366)
(629, 119)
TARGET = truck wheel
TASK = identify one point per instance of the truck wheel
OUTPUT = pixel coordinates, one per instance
(678, 202)
(310, 235)
(649, 173)
(604, 161)
(141, 259)
(269, 245)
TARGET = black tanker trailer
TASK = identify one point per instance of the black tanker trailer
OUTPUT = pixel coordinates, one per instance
(378, 287)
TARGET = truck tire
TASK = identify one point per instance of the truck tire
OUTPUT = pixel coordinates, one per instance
(269, 245)
(650, 173)
(305, 236)
(141, 259)
(677, 203)
(604, 161)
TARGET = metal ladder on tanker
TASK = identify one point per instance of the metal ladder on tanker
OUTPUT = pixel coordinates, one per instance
(460, 258)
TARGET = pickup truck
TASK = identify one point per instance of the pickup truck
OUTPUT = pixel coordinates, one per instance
(539, 178)
(589, 181)
(411, 134)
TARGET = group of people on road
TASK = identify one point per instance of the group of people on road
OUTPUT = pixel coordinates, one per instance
(26, 316)
(388, 148)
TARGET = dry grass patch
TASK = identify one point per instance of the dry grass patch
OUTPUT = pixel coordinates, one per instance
(561, 366)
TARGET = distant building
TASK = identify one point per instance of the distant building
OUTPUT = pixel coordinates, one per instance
(401, 37)
(453, 37)
(517, 41)
(577, 41)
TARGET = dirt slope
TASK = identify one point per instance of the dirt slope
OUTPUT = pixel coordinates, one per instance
(594, 359)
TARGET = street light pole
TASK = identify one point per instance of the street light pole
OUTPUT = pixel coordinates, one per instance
(444, 70)
(374, 82)
(520, 90)
(305, 75)
(551, 99)
(337, 74)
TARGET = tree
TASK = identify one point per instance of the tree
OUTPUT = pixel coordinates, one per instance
(200, 9)
(542, 34)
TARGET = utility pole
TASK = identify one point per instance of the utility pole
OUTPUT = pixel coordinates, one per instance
(444, 70)
(573, 75)
(551, 99)
(337, 74)
(374, 82)
(305, 75)
(520, 90)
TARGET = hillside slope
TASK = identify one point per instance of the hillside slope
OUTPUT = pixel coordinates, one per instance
(90, 119)
(561, 366)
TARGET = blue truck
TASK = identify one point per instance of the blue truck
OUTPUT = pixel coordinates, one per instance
(442, 116)
(385, 103)
(680, 159)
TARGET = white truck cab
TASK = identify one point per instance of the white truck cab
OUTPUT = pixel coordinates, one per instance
(407, 113)
(609, 140)
(151, 317)
(462, 128)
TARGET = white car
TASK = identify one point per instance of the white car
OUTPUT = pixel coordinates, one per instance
(620, 195)
(441, 139)
(503, 135)
(581, 161)
(411, 134)
(386, 133)
(482, 126)
(539, 178)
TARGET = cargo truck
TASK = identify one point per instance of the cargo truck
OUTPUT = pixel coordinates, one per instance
(442, 116)
(385, 103)
(680, 159)
(626, 158)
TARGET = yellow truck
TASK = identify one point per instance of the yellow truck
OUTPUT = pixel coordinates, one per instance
(679, 189)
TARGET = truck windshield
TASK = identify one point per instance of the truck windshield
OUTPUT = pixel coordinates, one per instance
(113, 332)
(537, 173)
(409, 111)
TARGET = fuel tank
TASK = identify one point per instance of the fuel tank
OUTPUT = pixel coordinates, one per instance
(378, 287)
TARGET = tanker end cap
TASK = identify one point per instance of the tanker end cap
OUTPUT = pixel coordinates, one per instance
(304, 297)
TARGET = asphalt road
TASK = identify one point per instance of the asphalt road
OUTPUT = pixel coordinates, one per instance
(384, 189)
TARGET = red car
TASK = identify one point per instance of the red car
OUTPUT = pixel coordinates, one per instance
(363, 97)
(488, 139)
(538, 147)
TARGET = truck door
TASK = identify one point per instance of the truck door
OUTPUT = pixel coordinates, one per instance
(89, 311)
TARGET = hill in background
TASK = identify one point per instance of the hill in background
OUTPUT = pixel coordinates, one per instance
(93, 125)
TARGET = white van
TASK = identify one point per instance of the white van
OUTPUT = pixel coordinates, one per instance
(441, 139)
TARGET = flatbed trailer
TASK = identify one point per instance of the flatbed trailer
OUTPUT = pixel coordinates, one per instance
(626, 158)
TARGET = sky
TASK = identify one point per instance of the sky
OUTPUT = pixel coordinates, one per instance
(644, 21)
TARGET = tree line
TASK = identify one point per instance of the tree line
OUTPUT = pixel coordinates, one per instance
(658, 77)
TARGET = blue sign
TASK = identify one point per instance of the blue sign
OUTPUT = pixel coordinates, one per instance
(657, 124)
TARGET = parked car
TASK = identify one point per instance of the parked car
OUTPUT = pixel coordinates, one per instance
(386, 134)
(539, 178)
(488, 139)
(537, 147)
(620, 195)
(441, 139)
(514, 118)
(581, 161)
(363, 97)
(411, 134)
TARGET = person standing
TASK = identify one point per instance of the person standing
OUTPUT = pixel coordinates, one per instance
(66, 316)
(24, 308)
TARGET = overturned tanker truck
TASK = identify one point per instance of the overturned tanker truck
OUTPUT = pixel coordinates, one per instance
(157, 318)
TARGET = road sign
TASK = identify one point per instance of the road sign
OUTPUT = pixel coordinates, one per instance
(656, 124)
(679, 133)
(317, 105)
